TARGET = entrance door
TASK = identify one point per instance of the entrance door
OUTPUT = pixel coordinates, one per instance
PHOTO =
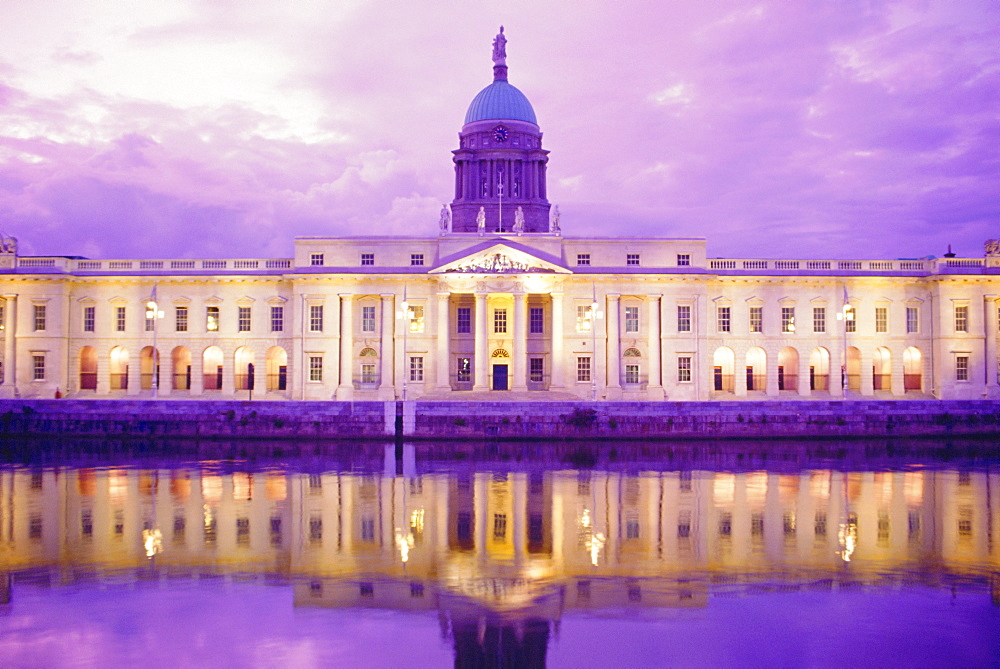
(499, 377)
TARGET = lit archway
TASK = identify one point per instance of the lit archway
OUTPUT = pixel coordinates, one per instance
(243, 367)
(180, 359)
(276, 364)
(853, 368)
(882, 369)
(788, 369)
(723, 363)
(88, 368)
(149, 366)
(212, 359)
(819, 369)
(119, 368)
(913, 369)
(756, 369)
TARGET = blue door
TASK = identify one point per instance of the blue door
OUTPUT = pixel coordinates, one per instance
(499, 377)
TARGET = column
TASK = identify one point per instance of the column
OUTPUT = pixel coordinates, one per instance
(520, 365)
(655, 371)
(9, 339)
(739, 373)
(557, 361)
(771, 369)
(228, 375)
(346, 389)
(990, 326)
(614, 382)
(803, 371)
(197, 374)
(386, 386)
(443, 361)
(481, 355)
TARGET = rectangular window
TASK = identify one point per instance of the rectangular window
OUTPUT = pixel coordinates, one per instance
(582, 258)
(89, 319)
(788, 319)
(536, 369)
(38, 366)
(464, 370)
(756, 319)
(631, 374)
(683, 369)
(583, 368)
(683, 259)
(368, 319)
(819, 319)
(150, 321)
(120, 319)
(315, 318)
(632, 259)
(961, 318)
(850, 319)
(881, 319)
(417, 318)
(631, 319)
(316, 259)
(416, 259)
(181, 319)
(723, 323)
(961, 368)
(315, 368)
(463, 323)
(684, 318)
(536, 320)
(500, 321)
(212, 319)
(912, 320)
(244, 319)
(39, 318)
(367, 258)
(368, 373)
(277, 318)
(416, 368)
(583, 318)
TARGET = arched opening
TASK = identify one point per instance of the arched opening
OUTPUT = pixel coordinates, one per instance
(180, 359)
(756, 369)
(276, 364)
(819, 369)
(853, 368)
(212, 360)
(88, 368)
(882, 369)
(723, 363)
(119, 368)
(913, 369)
(243, 368)
(149, 367)
(788, 369)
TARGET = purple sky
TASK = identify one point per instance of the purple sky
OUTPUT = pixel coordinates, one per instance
(224, 128)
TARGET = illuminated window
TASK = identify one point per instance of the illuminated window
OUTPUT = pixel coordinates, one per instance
(723, 322)
(632, 259)
(39, 318)
(788, 319)
(277, 318)
(683, 368)
(244, 319)
(181, 319)
(463, 372)
(881, 319)
(684, 318)
(961, 368)
(536, 320)
(315, 368)
(583, 318)
(582, 258)
(368, 319)
(536, 369)
(416, 259)
(212, 319)
(756, 319)
(416, 368)
(499, 526)
(631, 374)
(683, 259)
(631, 319)
(150, 321)
(850, 322)
(463, 323)
(38, 366)
(500, 321)
(316, 259)
(315, 318)
(819, 319)
(120, 319)
(912, 320)
(961, 318)
(88, 319)
(416, 318)
(367, 258)
(583, 368)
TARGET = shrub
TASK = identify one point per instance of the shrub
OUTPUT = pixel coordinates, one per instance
(581, 417)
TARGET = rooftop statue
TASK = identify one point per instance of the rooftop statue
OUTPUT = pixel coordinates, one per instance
(554, 225)
(445, 221)
(500, 48)
(519, 221)
(481, 221)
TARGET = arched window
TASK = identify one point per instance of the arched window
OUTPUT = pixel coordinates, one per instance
(500, 353)
(369, 353)
(631, 353)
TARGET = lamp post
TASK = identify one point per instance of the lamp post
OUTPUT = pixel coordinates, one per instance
(153, 313)
(405, 314)
(594, 316)
(846, 315)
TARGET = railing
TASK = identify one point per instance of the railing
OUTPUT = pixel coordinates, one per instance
(854, 382)
(913, 382)
(88, 380)
(119, 381)
(212, 381)
(819, 382)
(841, 265)
(182, 381)
(756, 382)
(132, 265)
(882, 381)
(146, 381)
(724, 383)
(367, 381)
(788, 381)
(277, 382)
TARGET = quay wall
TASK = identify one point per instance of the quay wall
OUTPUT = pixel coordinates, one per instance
(498, 420)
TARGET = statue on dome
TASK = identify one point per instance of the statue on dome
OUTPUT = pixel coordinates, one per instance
(481, 221)
(554, 223)
(8, 245)
(500, 48)
(992, 247)
(519, 221)
(445, 221)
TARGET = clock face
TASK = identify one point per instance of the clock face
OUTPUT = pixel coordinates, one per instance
(500, 133)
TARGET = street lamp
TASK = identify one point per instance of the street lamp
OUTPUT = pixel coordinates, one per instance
(846, 315)
(407, 317)
(153, 314)
(594, 315)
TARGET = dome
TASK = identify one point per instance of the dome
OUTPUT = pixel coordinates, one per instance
(498, 101)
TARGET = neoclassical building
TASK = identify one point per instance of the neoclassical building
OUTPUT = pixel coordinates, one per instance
(500, 301)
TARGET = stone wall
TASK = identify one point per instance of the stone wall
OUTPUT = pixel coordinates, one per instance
(497, 420)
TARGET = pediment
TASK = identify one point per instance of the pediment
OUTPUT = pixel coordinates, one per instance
(499, 258)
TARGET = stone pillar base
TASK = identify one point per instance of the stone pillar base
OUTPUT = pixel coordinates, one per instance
(345, 393)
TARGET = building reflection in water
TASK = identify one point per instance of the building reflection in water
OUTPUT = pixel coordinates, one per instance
(500, 556)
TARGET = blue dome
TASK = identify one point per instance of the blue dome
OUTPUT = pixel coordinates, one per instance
(500, 100)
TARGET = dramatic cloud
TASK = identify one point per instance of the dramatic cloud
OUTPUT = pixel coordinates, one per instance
(775, 129)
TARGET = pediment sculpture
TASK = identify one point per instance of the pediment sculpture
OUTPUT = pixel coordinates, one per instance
(497, 263)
